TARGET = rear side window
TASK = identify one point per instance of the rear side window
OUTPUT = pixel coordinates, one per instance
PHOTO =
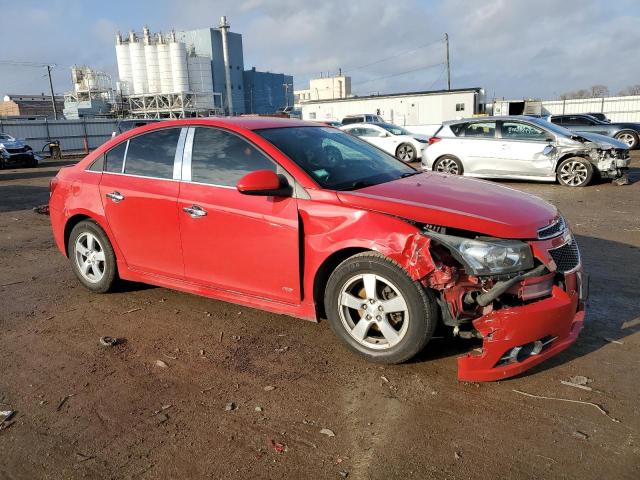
(456, 129)
(480, 130)
(349, 120)
(522, 131)
(114, 158)
(221, 158)
(152, 154)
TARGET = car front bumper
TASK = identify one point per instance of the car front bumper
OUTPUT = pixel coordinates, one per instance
(517, 338)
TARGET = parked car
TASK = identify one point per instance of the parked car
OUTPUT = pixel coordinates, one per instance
(363, 118)
(524, 148)
(599, 116)
(258, 211)
(14, 151)
(331, 123)
(397, 141)
(624, 131)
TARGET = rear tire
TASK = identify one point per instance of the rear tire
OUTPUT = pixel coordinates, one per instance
(628, 137)
(92, 258)
(406, 152)
(448, 164)
(574, 172)
(377, 310)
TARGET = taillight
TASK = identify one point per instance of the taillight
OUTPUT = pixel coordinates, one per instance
(433, 140)
(52, 185)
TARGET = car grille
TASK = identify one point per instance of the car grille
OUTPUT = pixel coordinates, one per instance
(553, 230)
(567, 257)
(17, 150)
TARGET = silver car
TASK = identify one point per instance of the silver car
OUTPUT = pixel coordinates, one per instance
(525, 148)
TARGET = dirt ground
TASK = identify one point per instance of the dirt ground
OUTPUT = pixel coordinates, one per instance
(85, 411)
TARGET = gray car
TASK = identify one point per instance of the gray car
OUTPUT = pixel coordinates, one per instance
(524, 148)
(14, 151)
(627, 132)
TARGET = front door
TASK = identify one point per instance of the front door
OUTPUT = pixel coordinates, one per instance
(241, 243)
(523, 150)
(140, 198)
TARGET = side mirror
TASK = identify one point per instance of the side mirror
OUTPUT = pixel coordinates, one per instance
(264, 183)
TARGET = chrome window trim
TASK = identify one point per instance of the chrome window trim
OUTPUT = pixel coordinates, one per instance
(186, 157)
(139, 176)
(124, 159)
(179, 156)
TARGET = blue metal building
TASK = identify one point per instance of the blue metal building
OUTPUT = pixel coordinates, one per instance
(266, 92)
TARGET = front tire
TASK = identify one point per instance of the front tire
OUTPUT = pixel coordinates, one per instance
(406, 152)
(377, 310)
(628, 137)
(92, 258)
(574, 172)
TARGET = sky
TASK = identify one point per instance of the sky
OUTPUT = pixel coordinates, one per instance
(511, 48)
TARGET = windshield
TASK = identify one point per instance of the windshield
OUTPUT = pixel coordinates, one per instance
(335, 159)
(393, 129)
(5, 137)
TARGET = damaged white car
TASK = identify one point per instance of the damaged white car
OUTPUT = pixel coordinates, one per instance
(525, 148)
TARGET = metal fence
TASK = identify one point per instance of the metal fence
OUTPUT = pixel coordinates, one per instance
(74, 135)
(617, 109)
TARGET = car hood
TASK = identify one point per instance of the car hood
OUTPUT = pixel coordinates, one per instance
(602, 141)
(16, 143)
(457, 202)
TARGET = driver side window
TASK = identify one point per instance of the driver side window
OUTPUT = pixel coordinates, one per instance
(522, 131)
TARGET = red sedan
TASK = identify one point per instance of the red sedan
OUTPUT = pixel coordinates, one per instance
(303, 219)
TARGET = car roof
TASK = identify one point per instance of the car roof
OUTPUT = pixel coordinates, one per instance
(492, 119)
(247, 123)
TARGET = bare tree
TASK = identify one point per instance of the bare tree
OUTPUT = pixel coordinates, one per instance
(599, 91)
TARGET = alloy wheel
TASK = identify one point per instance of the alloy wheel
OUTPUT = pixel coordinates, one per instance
(448, 165)
(405, 153)
(373, 311)
(627, 138)
(90, 258)
(574, 173)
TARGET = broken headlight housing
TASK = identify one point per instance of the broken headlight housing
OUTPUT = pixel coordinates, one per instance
(488, 256)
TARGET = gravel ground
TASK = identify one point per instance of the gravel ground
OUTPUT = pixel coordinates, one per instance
(86, 411)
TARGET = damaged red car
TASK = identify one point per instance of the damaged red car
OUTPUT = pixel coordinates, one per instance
(306, 220)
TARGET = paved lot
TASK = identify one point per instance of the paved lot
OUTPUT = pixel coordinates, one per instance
(84, 411)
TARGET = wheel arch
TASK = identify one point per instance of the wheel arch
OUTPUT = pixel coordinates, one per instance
(568, 155)
(325, 270)
(75, 219)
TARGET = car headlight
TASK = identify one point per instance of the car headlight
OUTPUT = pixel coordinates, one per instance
(488, 256)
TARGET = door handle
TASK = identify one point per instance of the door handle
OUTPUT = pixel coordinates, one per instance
(116, 197)
(195, 211)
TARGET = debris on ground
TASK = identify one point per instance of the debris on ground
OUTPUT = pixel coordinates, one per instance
(258, 409)
(457, 455)
(281, 349)
(384, 379)
(161, 364)
(108, 341)
(580, 435)
(235, 337)
(580, 380)
(611, 340)
(595, 405)
(132, 310)
(327, 432)
(269, 388)
(82, 457)
(12, 283)
(7, 414)
(162, 409)
(622, 180)
(278, 447)
(576, 385)
(41, 209)
(63, 401)
(343, 473)
(229, 407)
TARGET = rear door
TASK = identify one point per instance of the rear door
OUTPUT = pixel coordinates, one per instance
(478, 147)
(140, 194)
(582, 123)
(522, 146)
(242, 243)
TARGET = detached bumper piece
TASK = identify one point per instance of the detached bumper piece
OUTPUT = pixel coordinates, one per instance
(517, 338)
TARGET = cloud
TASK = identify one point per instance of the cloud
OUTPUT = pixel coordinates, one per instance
(512, 48)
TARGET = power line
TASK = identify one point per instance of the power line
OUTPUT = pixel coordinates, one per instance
(399, 73)
(406, 52)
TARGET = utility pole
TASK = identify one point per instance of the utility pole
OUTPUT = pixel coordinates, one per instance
(446, 42)
(53, 97)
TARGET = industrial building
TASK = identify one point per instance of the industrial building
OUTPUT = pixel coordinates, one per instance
(267, 92)
(30, 105)
(92, 94)
(324, 88)
(407, 109)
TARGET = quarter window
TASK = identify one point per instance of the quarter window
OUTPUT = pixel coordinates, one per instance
(222, 158)
(114, 158)
(522, 131)
(152, 154)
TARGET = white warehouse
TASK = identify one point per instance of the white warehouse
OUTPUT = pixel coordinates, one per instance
(407, 109)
